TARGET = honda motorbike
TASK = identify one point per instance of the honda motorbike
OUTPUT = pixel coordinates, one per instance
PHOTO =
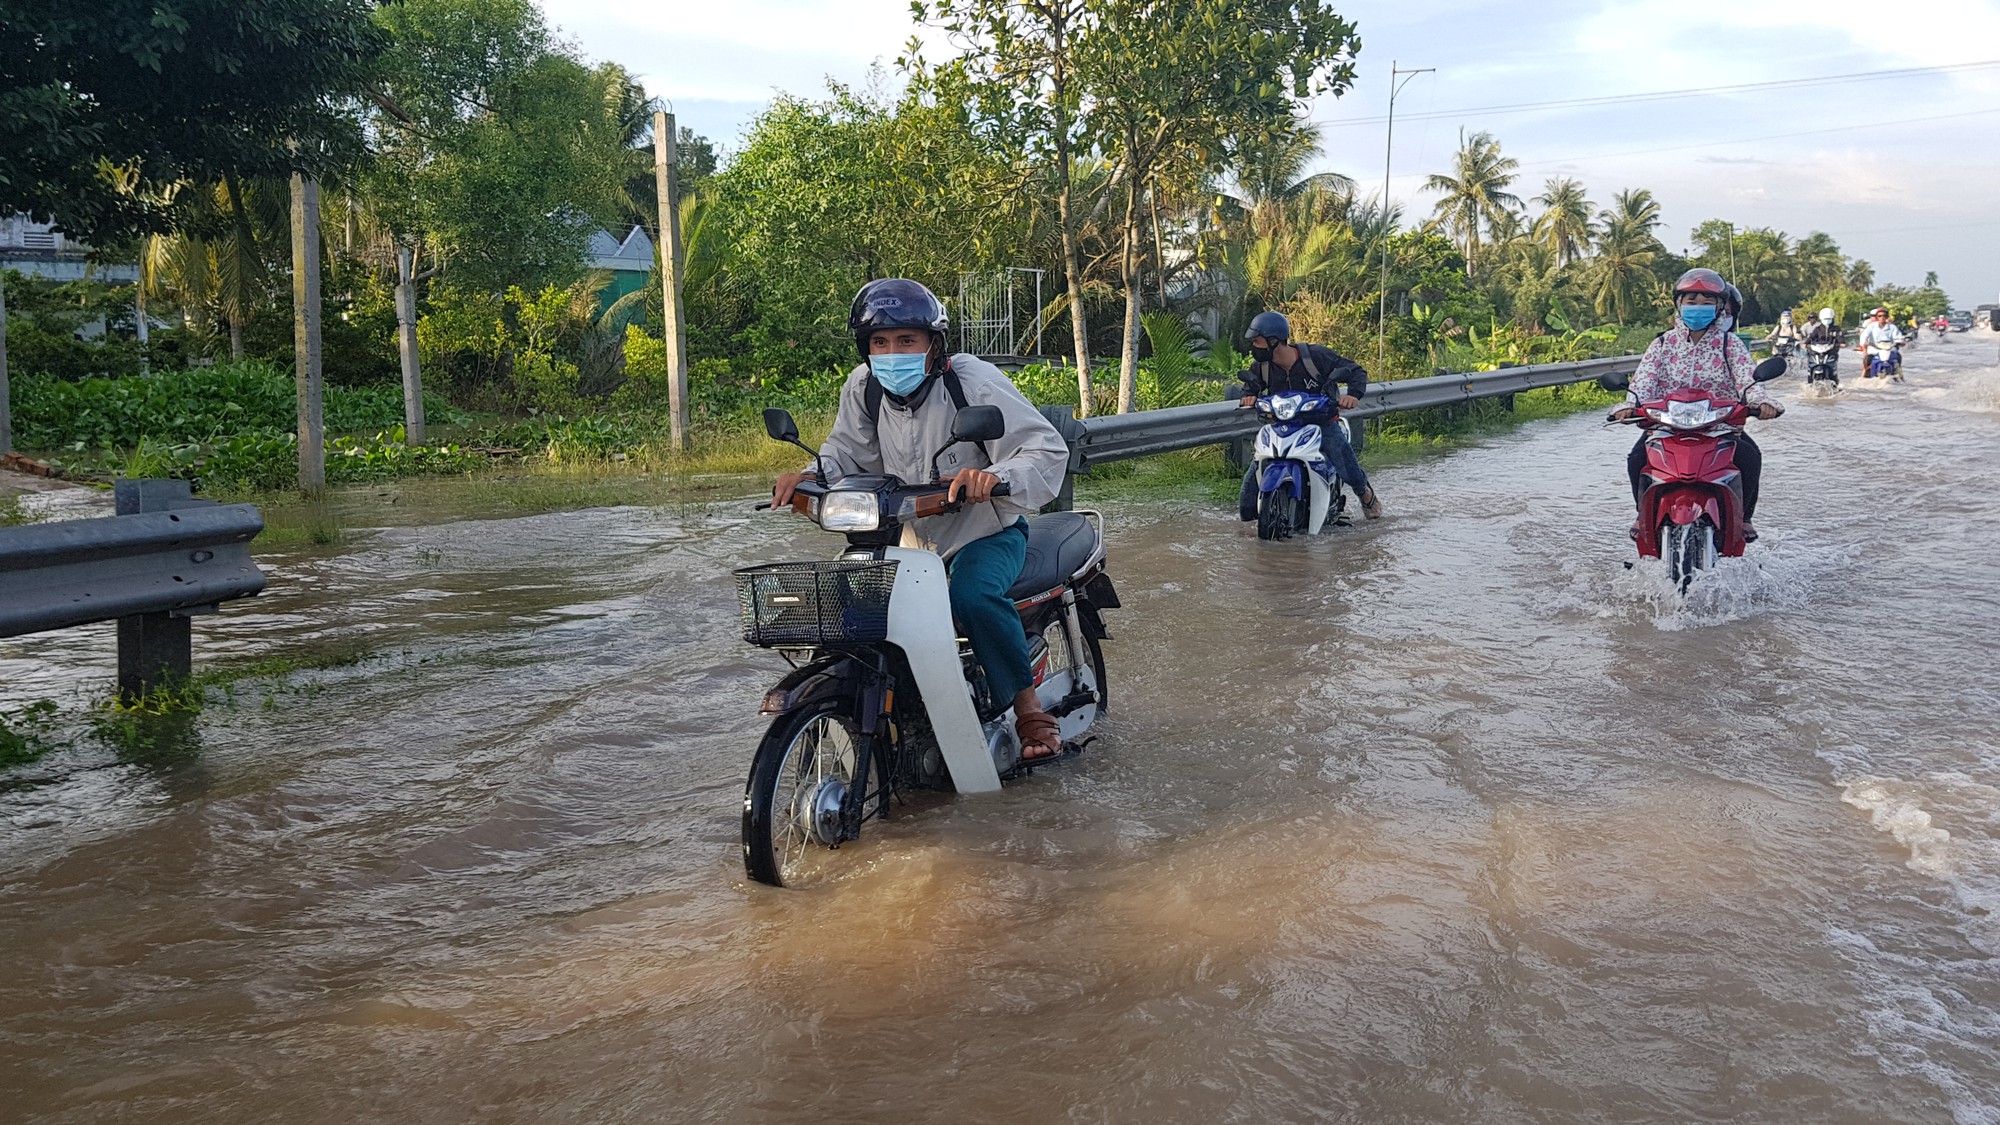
(1691, 512)
(1292, 488)
(883, 697)
(1822, 362)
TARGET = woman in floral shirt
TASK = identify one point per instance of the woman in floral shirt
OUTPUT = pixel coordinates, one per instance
(1701, 353)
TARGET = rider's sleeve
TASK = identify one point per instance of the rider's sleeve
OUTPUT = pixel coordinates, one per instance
(1031, 455)
(1742, 374)
(1643, 386)
(1253, 384)
(1344, 370)
(850, 447)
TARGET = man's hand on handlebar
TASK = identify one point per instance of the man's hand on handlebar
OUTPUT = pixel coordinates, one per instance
(973, 486)
(1769, 410)
(1623, 414)
(1348, 402)
(781, 492)
(1247, 400)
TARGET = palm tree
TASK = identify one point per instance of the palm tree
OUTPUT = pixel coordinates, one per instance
(1861, 276)
(1477, 195)
(1818, 262)
(1626, 252)
(1273, 168)
(1638, 207)
(1564, 223)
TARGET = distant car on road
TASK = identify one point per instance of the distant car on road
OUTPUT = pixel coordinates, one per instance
(1959, 319)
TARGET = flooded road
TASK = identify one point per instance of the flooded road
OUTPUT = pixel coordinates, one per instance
(1449, 818)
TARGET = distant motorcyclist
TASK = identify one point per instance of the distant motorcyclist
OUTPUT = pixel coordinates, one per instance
(1878, 332)
(1701, 354)
(1785, 333)
(1280, 365)
(1824, 331)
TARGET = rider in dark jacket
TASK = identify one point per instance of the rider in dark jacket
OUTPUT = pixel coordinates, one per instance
(1281, 366)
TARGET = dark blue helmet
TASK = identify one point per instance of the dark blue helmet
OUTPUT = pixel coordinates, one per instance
(895, 302)
(1272, 326)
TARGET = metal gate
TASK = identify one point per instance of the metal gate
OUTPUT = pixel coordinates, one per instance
(994, 316)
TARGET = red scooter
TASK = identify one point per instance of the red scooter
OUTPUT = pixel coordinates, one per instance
(1692, 510)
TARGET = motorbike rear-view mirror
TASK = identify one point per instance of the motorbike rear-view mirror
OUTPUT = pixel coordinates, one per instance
(978, 423)
(1768, 370)
(778, 423)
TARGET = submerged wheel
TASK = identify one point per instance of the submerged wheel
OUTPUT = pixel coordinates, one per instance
(1688, 548)
(803, 771)
(1274, 516)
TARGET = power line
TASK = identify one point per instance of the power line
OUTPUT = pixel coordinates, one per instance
(1663, 95)
(1766, 137)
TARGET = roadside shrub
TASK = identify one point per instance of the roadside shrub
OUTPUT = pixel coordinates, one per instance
(198, 405)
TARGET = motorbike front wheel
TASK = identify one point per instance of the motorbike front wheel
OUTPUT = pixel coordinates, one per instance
(802, 774)
(1274, 516)
(1688, 548)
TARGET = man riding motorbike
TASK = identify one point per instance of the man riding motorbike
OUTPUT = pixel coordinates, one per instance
(895, 411)
(1823, 330)
(1703, 354)
(1878, 332)
(1281, 366)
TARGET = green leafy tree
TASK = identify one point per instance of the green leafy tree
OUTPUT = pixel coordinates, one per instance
(105, 106)
(1021, 67)
(1169, 85)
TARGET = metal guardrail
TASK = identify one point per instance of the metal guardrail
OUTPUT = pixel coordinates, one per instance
(164, 557)
(1121, 437)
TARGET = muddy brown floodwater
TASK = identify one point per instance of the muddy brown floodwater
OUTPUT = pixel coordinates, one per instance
(1450, 818)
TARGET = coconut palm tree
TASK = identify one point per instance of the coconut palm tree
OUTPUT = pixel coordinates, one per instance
(1477, 195)
(1638, 207)
(1818, 262)
(1626, 252)
(1861, 276)
(1273, 168)
(1565, 224)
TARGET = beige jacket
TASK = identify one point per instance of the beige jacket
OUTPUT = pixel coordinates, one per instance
(1030, 456)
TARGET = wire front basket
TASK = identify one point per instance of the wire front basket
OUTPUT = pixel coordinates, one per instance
(808, 604)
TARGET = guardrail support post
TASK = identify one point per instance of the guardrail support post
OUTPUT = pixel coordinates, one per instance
(154, 649)
(1064, 419)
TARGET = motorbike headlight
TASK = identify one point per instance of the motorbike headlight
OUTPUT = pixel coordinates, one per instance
(1285, 407)
(1688, 415)
(850, 510)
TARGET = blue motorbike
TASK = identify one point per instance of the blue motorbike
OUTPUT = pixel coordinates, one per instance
(1297, 489)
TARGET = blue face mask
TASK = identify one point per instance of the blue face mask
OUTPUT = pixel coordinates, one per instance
(1697, 317)
(899, 374)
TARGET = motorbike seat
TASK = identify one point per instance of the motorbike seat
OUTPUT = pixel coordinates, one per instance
(1058, 544)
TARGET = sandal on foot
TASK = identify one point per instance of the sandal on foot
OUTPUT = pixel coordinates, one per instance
(1041, 737)
(1371, 507)
(1749, 533)
(1634, 532)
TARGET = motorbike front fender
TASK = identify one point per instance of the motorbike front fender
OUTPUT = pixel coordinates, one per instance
(1286, 476)
(829, 677)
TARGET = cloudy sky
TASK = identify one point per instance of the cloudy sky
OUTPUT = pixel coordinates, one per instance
(1903, 171)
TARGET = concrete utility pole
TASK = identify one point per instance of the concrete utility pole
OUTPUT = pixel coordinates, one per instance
(6, 401)
(1388, 147)
(673, 331)
(305, 333)
(406, 344)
